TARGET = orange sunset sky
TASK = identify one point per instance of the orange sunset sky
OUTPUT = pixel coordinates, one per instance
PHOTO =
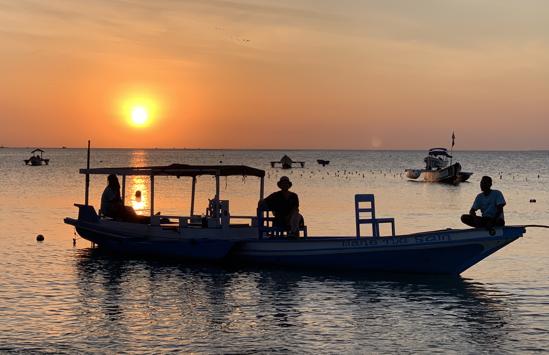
(283, 74)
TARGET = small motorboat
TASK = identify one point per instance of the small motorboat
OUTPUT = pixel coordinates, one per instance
(37, 158)
(439, 168)
(287, 163)
(217, 236)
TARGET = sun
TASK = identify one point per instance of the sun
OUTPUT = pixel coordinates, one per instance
(139, 110)
(139, 116)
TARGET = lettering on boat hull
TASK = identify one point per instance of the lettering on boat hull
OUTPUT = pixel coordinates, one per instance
(388, 241)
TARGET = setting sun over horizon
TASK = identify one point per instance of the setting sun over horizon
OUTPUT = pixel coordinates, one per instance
(139, 110)
(139, 116)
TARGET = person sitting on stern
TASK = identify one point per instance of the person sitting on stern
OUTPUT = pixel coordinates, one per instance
(285, 207)
(490, 203)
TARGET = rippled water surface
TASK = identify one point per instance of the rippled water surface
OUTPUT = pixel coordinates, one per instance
(56, 297)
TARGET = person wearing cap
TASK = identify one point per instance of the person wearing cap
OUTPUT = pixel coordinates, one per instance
(490, 203)
(285, 206)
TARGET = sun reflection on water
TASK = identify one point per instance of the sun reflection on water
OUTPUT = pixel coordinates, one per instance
(139, 202)
(138, 186)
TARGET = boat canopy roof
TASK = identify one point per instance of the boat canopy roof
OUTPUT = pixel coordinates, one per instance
(179, 170)
(38, 150)
(439, 151)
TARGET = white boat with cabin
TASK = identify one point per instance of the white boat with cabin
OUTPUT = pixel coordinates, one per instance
(439, 168)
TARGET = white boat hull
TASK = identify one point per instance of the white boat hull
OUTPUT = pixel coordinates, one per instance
(451, 174)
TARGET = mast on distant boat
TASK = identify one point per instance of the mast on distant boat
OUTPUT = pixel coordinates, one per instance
(86, 199)
(452, 148)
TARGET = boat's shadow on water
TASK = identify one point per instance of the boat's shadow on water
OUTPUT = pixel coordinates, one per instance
(453, 304)
(91, 262)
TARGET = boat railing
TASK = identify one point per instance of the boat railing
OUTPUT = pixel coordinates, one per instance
(266, 227)
(203, 221)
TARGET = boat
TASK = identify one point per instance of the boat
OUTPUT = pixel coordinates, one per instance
(37, 158)
(219, 237)
(439, 168)
(287, 163)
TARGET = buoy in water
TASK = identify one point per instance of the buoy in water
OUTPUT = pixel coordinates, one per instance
(39, 238)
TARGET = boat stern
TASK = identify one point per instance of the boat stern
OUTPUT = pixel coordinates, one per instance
(413, 173)
(86, 213)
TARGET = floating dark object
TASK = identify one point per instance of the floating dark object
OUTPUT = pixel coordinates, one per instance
(287, 163)
(532, 200)
(39, 238)
(323, 162)
(38, 159)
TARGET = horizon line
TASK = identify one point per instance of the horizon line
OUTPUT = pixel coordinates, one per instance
(276, 149)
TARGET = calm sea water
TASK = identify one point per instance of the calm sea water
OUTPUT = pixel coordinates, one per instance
(58, 298)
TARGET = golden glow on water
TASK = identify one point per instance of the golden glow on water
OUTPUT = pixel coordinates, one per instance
(139, 158)
(138, 183)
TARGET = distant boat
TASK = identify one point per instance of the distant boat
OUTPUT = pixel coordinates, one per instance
(323, 162)
(37, 159)
(287, 163)
(438, 168)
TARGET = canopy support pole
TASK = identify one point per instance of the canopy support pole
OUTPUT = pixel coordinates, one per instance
(152, 195)
(193, 191)
(262, 188)
(217, 195)
(123, 189)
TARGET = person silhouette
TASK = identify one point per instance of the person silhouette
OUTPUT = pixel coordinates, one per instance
(490, 203)
(112, 206)
(285, 207)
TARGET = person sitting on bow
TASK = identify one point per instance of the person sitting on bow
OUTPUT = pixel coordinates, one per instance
(490, 203)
